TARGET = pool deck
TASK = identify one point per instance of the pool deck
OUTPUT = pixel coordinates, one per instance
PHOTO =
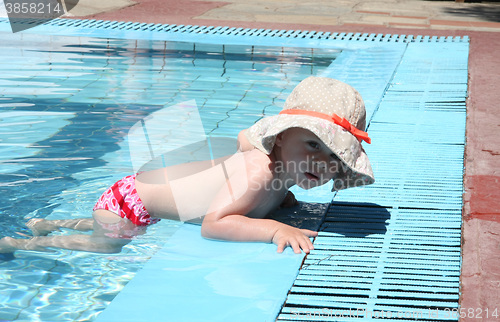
(480, 279)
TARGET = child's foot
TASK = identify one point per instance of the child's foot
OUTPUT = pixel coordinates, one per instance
(41, 227)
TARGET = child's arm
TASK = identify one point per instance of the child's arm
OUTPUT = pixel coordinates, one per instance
(236, 227)
(230, 222)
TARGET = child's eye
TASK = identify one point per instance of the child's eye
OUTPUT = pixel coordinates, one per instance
(313, 144)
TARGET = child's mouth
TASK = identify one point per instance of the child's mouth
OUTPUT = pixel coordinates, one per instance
(311, 176)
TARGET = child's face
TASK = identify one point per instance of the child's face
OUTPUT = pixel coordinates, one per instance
(306, 159)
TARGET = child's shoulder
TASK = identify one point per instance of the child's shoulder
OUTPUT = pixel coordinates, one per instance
(258, 164)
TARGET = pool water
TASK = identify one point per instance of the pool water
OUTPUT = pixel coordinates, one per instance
(66, 105)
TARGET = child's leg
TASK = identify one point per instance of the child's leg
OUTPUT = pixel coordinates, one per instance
(43, 227)
(88, 243)
(111, 233)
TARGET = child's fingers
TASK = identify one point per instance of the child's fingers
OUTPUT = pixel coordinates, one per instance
(281, 247)
(296, 246)
(308, 245)
(298, 242)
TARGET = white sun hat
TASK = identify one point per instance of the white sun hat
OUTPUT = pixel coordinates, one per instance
(335, 113)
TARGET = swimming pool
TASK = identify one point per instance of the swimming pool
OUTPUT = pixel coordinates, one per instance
(66, 105)
(410, 86)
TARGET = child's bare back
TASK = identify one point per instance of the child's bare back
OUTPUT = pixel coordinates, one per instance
(187, 192)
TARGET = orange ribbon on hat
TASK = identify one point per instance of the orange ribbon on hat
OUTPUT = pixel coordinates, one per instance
(360, 135)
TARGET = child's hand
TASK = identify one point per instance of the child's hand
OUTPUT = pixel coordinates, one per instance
(289, 201)
(296, 238)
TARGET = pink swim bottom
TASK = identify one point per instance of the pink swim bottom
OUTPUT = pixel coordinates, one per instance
(122, 199)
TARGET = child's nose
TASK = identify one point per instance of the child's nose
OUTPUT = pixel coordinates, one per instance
(320, 165)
